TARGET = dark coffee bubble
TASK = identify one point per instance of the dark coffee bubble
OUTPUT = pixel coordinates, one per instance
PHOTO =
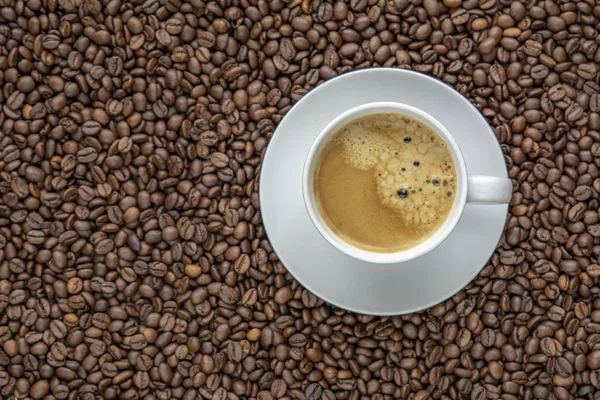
(402, 193)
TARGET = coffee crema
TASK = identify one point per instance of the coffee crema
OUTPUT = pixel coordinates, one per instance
(385, 182)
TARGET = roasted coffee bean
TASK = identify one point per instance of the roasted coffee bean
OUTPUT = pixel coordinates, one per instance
(313, 391)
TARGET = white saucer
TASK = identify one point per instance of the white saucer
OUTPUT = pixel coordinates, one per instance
(359, 286)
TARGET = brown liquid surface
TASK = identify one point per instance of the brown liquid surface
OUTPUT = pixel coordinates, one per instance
(385, 183)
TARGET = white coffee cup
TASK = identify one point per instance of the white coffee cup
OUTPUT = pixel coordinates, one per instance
(469, 189)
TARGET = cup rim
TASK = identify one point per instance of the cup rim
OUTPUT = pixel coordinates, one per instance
(373, 257)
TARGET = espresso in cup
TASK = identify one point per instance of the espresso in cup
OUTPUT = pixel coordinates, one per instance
(385, 182)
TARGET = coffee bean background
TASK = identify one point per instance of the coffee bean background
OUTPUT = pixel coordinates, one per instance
(133, 260)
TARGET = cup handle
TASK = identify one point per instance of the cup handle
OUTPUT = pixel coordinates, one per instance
(489, 190)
